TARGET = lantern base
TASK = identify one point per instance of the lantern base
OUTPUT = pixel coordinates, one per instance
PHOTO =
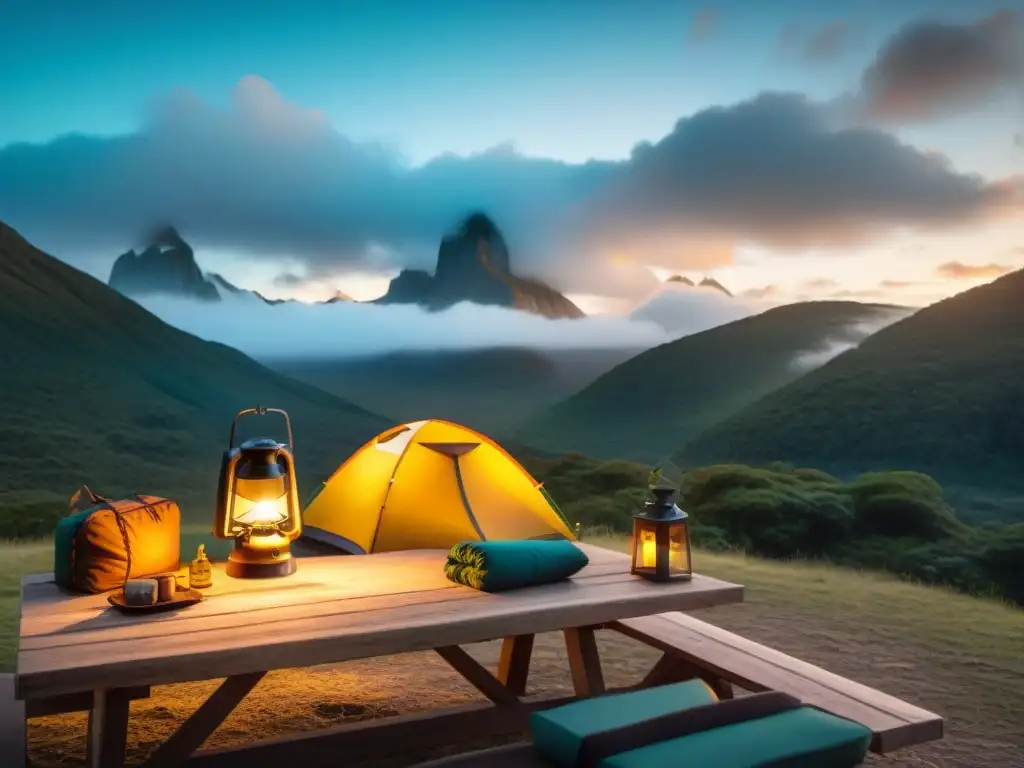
(247, 564)
(652, 575)
(260, 570)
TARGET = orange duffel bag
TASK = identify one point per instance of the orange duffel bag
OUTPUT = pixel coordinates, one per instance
(105, 542)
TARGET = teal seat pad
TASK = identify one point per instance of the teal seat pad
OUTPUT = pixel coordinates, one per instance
(557, 732)
(799, 738)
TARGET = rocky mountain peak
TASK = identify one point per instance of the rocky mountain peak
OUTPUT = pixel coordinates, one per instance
(339, 297)
(710, 282)
(167, 237)
(479, 226)
(166, 265)
(473, 264)
(707, 282)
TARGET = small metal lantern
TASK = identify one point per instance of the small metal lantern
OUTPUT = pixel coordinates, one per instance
(661, 538)
(258, 503)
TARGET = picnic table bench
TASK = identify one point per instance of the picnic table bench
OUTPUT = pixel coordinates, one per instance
(694, 648)
(340, 608)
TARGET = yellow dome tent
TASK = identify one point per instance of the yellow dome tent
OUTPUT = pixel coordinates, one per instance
(427, 485)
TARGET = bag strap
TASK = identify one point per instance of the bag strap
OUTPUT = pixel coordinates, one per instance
(123, 528)
(597, 746)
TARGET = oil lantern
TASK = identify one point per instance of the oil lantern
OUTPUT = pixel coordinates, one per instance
(258, 503)
(661, 537)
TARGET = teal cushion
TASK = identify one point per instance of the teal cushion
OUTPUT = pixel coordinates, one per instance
(496, 566)
(798, 738)
(557, 732)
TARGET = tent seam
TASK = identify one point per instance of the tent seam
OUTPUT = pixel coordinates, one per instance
(465, 500)
(387, 493)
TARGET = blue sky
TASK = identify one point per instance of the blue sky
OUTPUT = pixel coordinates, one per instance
(568, 80)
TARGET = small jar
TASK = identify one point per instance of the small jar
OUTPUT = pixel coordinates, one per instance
(200, 571)
(166, 587)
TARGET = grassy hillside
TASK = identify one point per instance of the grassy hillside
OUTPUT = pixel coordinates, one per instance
(97, 390)
(941, 392)
(492, 390)
(646, 407)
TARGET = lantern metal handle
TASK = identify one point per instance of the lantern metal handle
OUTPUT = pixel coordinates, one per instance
(261, 411)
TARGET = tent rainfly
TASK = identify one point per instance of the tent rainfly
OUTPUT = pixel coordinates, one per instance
(429, 485)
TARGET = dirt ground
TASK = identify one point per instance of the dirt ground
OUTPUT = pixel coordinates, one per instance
(295, 700)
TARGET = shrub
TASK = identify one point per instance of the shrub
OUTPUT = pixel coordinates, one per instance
(1001, 559)
(711, 538)
(30, 519)
(779, 521)
(597, 512)
(896, 521)
(902, 504)
(814, 475)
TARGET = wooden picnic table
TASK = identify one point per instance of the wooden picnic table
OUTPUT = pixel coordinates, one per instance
(333, 609)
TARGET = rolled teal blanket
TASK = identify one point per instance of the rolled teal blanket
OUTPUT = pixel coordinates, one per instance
(495, 566)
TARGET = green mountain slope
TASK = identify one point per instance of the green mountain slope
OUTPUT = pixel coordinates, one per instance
(941, 391)
(492, 390)
(646, 407)
(94, 389)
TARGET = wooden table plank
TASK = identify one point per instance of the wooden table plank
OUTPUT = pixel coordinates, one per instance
(336, 613)
(216, 653)
(103, 624)
(48, 610)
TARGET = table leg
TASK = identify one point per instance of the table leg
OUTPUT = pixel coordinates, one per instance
(477, 675)
(108, 728)
(514, 665)
(204, 721)
(671, 668)
(584, 661)
(666, 670)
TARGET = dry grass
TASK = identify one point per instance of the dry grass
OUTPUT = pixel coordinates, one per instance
(960, 656)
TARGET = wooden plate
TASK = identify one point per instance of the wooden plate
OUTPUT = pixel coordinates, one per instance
(182, 597)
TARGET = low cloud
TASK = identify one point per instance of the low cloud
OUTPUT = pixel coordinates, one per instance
(820, 283)
(356, 330)
(959, 271)
(859, 294)
(268, 178)
(930, 69)
(847, 338)
(289, 280)
(682, 309)
(762, 293)
(894, 284)
(767, 171)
